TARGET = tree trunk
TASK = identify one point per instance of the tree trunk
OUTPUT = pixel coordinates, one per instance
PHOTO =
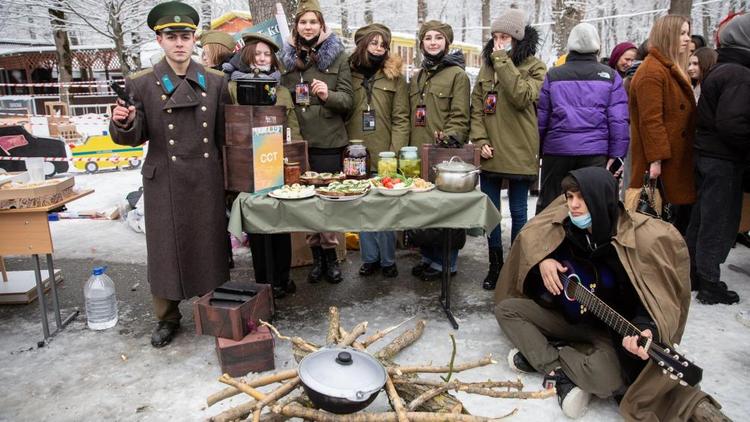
(263, 10)
(135, 50)
(680, 7)
(119, 44)
(368, 12)
(206, 14)
(62, 48)
(345, 32)
(537, 10)
(421, 19)
(463, 21)
(486, 20)
(567, 14)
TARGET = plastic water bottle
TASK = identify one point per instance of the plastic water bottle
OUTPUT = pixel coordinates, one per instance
(101, 303)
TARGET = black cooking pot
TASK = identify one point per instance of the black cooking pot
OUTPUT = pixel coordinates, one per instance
(341, 381)
(256, 91)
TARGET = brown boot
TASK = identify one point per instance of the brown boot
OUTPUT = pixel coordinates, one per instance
(707, 411)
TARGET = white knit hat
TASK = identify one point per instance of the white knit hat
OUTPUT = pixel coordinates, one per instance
(584, 39)
(512, 22)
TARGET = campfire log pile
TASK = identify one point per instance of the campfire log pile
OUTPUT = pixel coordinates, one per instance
(411, 397)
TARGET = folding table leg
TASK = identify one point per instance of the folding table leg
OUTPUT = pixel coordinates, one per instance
(445, 285)
(61, 323)
(40, 296)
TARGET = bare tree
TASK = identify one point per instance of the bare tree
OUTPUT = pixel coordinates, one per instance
(680, 7)
(345, 32)
(368, 12)
(206, 14)
(421, 19)
(262, 10)
(567, 14)
(62, 48)
(486, 20)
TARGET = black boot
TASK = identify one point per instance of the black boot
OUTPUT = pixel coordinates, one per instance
(716, 292)
(496, 263)
(333, 273)
(164, 333)
(318, 265)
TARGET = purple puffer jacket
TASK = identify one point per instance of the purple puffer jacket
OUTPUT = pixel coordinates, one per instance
(583, 110)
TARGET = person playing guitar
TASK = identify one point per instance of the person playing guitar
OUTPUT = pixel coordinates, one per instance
(594, 298)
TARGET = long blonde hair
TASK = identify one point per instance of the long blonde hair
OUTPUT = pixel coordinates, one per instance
(665, 37)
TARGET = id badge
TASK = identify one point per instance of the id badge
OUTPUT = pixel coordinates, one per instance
(368, 120)
(490, 102)
(420, 116)
(302, 94)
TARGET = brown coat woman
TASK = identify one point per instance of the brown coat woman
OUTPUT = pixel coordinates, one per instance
(662, 114)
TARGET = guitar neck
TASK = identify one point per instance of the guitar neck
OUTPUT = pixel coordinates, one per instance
(603, 311)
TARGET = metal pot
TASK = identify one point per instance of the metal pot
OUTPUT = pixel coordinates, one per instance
(456, 175)
(341, 380)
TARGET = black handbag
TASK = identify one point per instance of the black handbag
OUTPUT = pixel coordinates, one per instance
(647, 201)
(434, 237)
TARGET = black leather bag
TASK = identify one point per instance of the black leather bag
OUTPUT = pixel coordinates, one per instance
(434, 237)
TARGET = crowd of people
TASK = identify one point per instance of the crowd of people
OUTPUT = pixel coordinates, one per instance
(671, 113)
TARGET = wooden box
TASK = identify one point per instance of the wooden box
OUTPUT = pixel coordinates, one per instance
(241, 119)
(238, 164)
(33, 195)
(233, 322)
(302, 255)
(253, 353)
(431, 155)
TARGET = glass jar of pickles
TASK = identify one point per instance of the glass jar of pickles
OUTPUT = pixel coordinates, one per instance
(387, 163)
(409, 163)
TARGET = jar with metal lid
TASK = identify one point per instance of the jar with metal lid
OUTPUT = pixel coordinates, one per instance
(387, 163)
(356, 160)
(409, 162)
(292, 173)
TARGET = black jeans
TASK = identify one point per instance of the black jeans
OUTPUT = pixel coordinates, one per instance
(281, 247)
(555, 168)
(716, 215)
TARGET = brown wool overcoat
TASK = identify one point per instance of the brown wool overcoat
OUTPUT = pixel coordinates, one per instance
(662, 127)
(655, 257)
(183, 185)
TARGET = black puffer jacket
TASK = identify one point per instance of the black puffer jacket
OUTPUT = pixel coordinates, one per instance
(723, 129)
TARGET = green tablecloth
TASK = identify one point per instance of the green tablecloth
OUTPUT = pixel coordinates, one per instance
(373, 212)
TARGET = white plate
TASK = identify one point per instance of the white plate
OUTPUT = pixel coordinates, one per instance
(393, 192)
(303, 195)
(341, 198)
(423, 190)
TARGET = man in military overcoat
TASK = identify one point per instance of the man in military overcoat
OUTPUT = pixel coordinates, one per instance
(178, 107)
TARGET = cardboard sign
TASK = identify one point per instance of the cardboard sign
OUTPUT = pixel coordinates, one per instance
(268, 158)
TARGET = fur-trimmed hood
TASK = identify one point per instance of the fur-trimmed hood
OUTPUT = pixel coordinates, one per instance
(523, 49)
(391, 68)
(328, 50)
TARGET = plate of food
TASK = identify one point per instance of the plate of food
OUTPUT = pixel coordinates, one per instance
(315, 178)
(345, 190)
(420, 185)
(392, 186)
(295, 191)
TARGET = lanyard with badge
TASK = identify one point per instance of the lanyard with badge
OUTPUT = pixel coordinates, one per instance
(490, 99)
(420, 114)
(368, 116)
(302, 93)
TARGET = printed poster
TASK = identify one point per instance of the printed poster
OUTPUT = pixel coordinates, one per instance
(268, 158)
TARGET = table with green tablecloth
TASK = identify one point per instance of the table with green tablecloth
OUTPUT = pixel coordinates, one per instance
(371, 213)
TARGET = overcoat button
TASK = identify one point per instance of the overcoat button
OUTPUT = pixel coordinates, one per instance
(205, 140)
(174, 158)
(205, 124)
(203, 94)
(163, 97)
(205, 155)
(169, 110)
(203, 108)
(171, 142)
(170, 126)
(158, 83)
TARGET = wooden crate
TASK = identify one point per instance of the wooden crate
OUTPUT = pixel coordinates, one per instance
(233, 322)
(431, 155)
(241, 119)
(238, 164)
(34, 195)
(253, 353)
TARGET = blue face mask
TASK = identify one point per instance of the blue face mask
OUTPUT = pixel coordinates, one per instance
(582, 221)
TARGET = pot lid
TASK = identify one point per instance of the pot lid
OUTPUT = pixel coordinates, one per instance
(455, 164)
(342, 373)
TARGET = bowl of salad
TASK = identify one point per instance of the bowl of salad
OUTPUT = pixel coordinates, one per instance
(392, 185)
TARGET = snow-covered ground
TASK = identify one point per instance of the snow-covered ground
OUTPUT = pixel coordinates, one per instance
(103, 375)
